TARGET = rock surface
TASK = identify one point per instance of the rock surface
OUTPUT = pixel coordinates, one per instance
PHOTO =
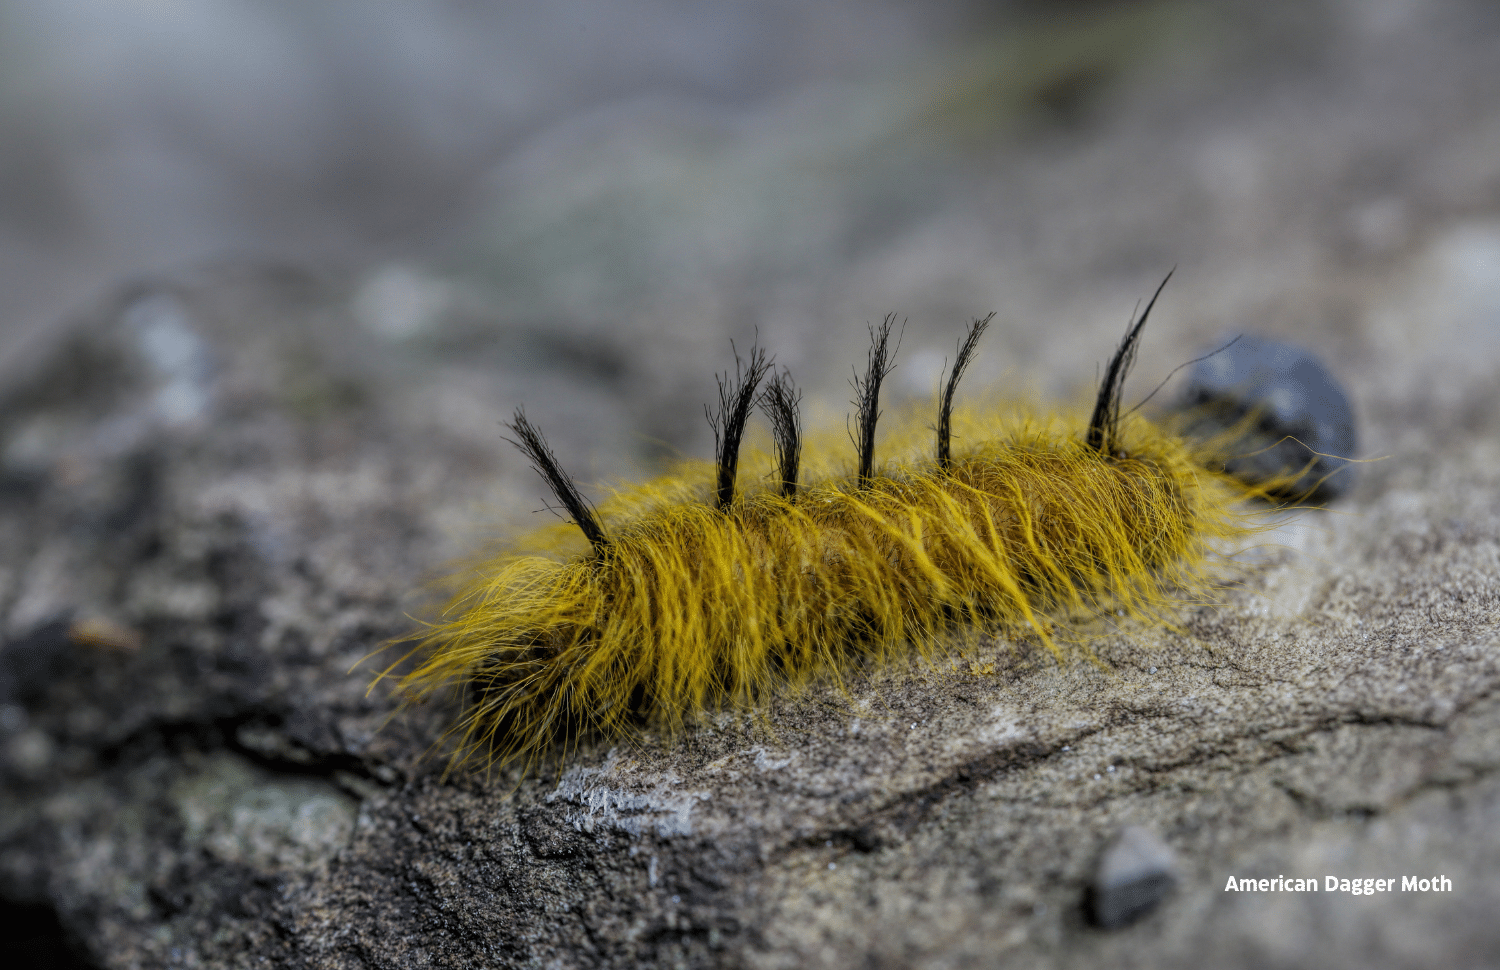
(222, 490)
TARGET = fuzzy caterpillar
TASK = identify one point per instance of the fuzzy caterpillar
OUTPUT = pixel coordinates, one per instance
(693, 596)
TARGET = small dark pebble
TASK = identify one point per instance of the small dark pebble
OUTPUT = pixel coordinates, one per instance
(865, 839)
(1135, 872)
(1302, 410)
(29, 663)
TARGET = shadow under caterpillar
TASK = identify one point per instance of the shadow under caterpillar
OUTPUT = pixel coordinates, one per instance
(693, 595)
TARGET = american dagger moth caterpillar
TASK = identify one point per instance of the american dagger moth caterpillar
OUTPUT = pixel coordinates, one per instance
(693, 593)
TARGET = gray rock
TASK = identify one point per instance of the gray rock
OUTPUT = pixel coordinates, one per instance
(1302, 416)
(1136, 872)
(29, 663)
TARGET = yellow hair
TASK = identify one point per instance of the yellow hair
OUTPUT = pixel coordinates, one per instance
(690, 608)
(694, 595)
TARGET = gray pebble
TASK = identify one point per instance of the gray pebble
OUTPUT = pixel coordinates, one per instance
(1135, 872)
(29, 663)
(1296, 398)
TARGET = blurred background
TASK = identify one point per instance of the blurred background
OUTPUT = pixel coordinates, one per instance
(593, 197)
(140, 137)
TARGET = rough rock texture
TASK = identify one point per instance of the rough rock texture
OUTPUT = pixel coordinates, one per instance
(220, 491)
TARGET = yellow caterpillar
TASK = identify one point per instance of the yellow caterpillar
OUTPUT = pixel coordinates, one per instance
(694, 595)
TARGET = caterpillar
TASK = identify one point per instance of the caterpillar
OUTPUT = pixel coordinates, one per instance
(693, 593)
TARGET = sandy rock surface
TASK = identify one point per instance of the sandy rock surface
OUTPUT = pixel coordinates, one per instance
(220, 490)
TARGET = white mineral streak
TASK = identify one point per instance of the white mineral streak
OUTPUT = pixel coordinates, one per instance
(662, 808)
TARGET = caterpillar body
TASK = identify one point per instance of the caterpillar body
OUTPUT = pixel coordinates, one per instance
(693, 594)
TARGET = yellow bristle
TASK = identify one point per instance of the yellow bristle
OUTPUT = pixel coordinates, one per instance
(692, 608)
